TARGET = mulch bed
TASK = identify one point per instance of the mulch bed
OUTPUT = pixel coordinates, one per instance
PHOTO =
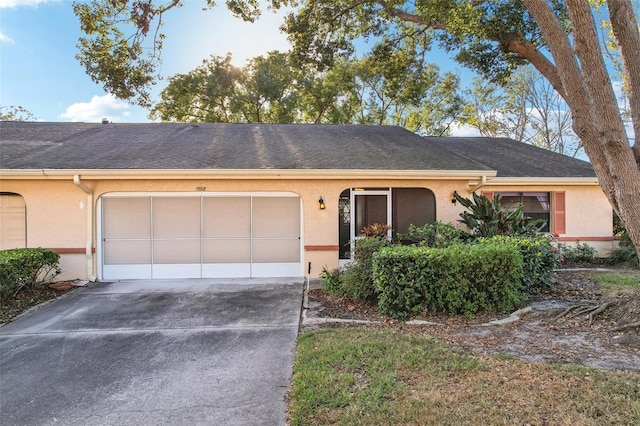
(10, 307)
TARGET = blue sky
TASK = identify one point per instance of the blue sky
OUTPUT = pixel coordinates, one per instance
(39, 72)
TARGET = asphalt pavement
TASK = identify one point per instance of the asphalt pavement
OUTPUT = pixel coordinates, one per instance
(165, 352)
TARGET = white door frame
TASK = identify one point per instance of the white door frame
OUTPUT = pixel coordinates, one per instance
(356, 192)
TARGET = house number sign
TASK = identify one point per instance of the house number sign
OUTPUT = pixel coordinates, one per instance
(201, 188)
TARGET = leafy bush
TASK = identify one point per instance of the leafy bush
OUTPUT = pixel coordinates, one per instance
(20, 268)
(487, 218)
(355, 280)
(459, 279)
(580, 254)
(625, 253)
(332, 280)
(437, 234)
(539, 258)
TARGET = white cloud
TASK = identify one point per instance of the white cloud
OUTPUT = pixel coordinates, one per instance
(5, 4)
(5, 38)
(464, 130)
(99, 107)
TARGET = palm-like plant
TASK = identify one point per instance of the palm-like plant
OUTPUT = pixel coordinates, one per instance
(486, 217)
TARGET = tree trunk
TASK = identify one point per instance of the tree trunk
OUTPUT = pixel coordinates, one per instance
(596, 118)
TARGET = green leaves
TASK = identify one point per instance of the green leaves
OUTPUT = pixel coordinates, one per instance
(113, 58)
(273, 89)
(20, 268)
(486, 218)
(458, 279)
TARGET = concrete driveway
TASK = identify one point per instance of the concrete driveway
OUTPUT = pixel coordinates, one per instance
(189, 352)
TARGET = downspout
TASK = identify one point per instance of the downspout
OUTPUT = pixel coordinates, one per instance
(89, 246)
(483, 182)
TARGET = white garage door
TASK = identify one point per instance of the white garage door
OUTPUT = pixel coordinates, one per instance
(200, 236)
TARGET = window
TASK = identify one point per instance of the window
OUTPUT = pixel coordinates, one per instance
(536, 205)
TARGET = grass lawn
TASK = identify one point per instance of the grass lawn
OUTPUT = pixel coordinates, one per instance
(616, 283)
(375, 377)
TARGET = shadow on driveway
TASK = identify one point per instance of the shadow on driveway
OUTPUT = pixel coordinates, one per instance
(160, 352)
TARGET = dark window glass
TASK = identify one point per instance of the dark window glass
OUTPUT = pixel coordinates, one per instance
(536, 204)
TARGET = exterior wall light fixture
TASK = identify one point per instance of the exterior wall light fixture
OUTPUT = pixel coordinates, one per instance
(321, 203)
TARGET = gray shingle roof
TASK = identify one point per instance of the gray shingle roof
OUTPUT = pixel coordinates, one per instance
(220, 146)
(511, 158)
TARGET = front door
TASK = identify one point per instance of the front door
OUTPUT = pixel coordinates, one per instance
(362, 208)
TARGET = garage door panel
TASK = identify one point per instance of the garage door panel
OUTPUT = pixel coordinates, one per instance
(127, 217)
(226, 270)
(276, 217)
(176, 251)
(127, 272)
(226, 251)
(127, 252)
(176, 217)
(160, 271)
(226, 217)
(266, 270)
(276, 251)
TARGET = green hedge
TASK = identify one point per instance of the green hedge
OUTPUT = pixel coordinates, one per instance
(460, 279)
(538, 255)
(21, 268)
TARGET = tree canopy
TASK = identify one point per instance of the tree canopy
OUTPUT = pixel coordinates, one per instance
(272, 89)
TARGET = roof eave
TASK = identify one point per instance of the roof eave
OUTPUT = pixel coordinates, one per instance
(106, 174)
(537, 181)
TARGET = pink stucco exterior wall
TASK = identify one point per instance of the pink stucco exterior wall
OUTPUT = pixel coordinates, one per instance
(56, 208)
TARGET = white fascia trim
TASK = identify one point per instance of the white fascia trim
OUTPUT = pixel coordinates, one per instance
(324, 174)
(540, 181)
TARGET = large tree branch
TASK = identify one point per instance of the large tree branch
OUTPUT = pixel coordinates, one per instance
(528, 51)
(519, 46)
(411, 17)
(625, 30)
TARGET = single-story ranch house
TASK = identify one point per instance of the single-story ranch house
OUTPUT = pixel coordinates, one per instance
(172, 200)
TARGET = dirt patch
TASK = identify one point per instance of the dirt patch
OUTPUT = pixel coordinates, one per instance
(11, 307)
(536, 335)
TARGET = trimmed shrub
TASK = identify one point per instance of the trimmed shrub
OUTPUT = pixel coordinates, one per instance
(459, 279)
(539, 258)
(20, 268)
